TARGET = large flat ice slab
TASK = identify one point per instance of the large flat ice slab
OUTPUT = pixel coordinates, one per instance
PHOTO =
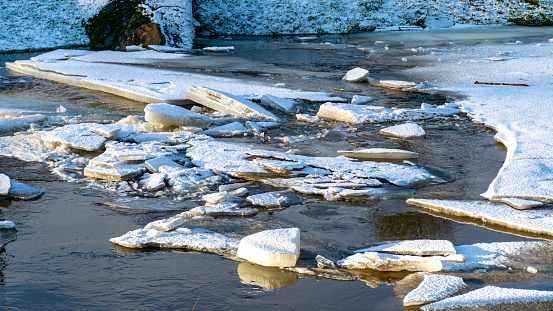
(272, 248)
(490, 213)
(389, 262)
(172, 115)
(379, 154)
(435, 287)
(414, 247)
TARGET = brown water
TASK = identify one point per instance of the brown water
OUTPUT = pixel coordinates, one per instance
(62, 258)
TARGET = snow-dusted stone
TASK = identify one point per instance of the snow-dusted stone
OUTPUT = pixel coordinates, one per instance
(324, 263)
(435, 287)
(106, 130)
(356, 75)
(224, 102)
(6, 224)
(271, 248)
(23, 191)
(520, 203)
(123, 172)
(192, 239)
(165, 225)
(361, 100)
(394, 84)
(304, 117)
(268, 278)
(414, 247)
(172, 115)
(217, 197)
(218, 49)
(405, 131)
(490, 213)
(281, 104)
(153, 165)
(379, 154)
(5, 184)
(154, 182)
(271, 199)
(361, 114)
(389, 262)
(496, 298)
(231, 129)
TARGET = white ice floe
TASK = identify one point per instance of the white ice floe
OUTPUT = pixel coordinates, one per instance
(356, 75)
(106, 130)
(394, 84)
(227, 208)
(231, 129)
(281, 104)
(405, 131)
(174, 116)
(6, 224)
(435, 287)
(154, 182)
(77, 136)
(5, 184)
(140, 57)
(166, 49)
(165, 225)
(268, 278)
(496, 298)
(359, 114)
(272, 248)
(217, 197)
(154, 165)
(491, 213)
(120, 173)
(192, 239)
(389, 262)
(270, 199)
(520, 203)
(304, 117)
(414, 247)
(225, 102)
(218, 49)
(379, 154)
(361, 100)
(10, 121)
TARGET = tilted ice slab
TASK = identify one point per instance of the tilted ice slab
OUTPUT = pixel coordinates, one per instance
(491, 213)
(271, 248)
(433, 288)
(496, 298)
(360, 114)
(520, 115)
(389, 262)
(405, 131)
(414, 247)
(77, 136)
(146, 84)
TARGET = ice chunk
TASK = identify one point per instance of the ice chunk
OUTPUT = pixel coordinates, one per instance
(12, 121)
(195, 239)
(496, 298)
(490, 213)
(6, 224)
(231, 129)
(303, 117)
(5, 184)
(271, 199)
(172, 115)
(271, 248)
(520, 203)
(495, 59)
(166, 49)
(106, 130)
(414, 247)
(405, 131)
(217, 197)
(394, 84)
(123, 172)
(360, 114)
(23, 191)
(379, 154)
(389, 262)
(356, 75)
(77, 136)
(154, 164)
(231, 187)
(165, 225)
(240, 192)
(154, 182)
(532, 270)
(218, 49)
(266, 277)
(280, 104)
(323, 263)
(435, 287)
(227, 208)
(228, 103)
(361, 100)
(282, 167)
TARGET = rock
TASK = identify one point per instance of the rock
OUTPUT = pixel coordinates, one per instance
(389, 262)
(271, 248)
(435, 287)
(5, 184)
(143, 35)
(405, 131)
(356, 75)
(415, 247)
(323, 263)
(172, 115)
(379, 154)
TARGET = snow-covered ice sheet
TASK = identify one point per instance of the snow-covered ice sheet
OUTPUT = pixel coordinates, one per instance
(390, 262)
(405, 131)
(414, 247)
(271, 248)
(435, 287)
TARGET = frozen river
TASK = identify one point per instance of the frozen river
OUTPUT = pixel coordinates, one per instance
(62, 258)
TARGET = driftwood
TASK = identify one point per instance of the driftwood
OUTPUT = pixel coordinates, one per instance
(496, 83)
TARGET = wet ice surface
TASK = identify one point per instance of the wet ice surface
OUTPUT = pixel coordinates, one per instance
(81, 267)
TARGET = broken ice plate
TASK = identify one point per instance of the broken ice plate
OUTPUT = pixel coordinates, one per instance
(379, 154)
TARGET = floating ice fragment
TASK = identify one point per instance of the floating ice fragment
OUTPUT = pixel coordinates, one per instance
(496, 298)
(172, 115)
(323, 263)
(6, 224)
(240, 192)
(379, 154)
(227, 208)
(231, 129)
(435, 287)
(77, 136)
(165, 225)
(390, 262)
(395, 84)
(154, 164)
(22, 191)
(154, 182)
(303, 117)
(123, 172)
(305, 38)
(217, 197)
(405, 131)
(5, 184)
(231, 187)
(271, 248)
(414, 247)
(520, 203)
(106, 130)
(271, 199)
(218, 49)
(166, 49)
(495, 59)
(361, 100)
(61, 109)
(280, 104)
(135, 48)
(532, 270)
(356, 75)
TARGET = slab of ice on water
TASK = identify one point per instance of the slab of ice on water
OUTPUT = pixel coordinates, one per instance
(165, 225)
(272, 248)
(395, 84)
(120, 173)
(77, 136)
(405, 131)
(435, 287)
(10, 122)
(361, 100)
(154, 165)
(21, 191)
(6, 224)
(227, 208)
(272, 199)
(304, 117)
(154, 182)
(414, 247)
(277, 103)
(379, 154)
(520, 203)
(496, 298)
(172, 115)
(389, 262)
(5, 184)
(356, 75)
(106, 130)
(217, 197)
(231, 129)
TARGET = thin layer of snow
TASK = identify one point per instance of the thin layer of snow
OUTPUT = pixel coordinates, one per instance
(405, 131)
(433, 288)
(272, 248)
(414, 247)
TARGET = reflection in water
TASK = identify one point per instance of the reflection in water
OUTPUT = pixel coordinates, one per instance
(265, 277)
(7, 236)
(410, 226)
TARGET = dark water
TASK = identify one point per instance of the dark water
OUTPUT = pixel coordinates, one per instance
(62, 258)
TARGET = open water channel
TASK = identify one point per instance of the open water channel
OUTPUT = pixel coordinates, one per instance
(62, 258)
